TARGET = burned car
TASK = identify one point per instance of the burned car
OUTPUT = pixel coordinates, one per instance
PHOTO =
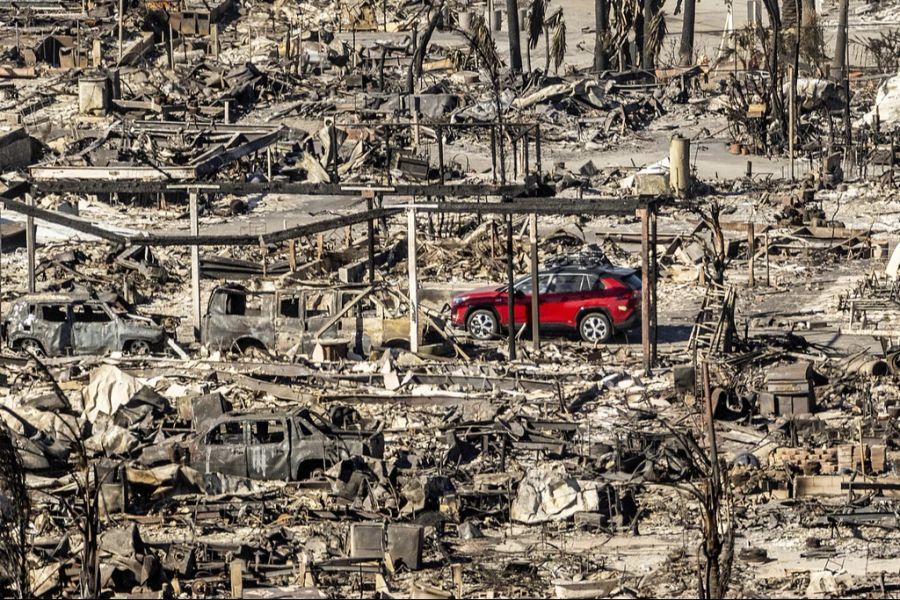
(277, 445)
(295, 320)
(79, 323)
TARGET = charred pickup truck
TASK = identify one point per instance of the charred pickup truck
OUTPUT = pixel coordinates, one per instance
(78, 323)
(277, 445)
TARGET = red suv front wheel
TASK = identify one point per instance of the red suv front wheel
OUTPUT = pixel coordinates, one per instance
(595, 327)
(482, 324)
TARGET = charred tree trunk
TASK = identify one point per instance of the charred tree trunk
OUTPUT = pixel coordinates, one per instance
(776, 94)
(601, 21)
(686, 49)
(638, 58)
(415, 68)
(512, 21)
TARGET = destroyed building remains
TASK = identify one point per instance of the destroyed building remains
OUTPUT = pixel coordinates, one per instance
(449, 299)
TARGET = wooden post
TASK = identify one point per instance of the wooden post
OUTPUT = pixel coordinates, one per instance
(413, 281)
(415, 123)
(121, 18)
(680, 166)
(269, 163)
(440, 144)
(300, 40)
(320, 245)
(30, 233)
(214, 39)
(370, 231)
(493, 154)
(1, 257)
(510, 295)
(292, 254)
(710, 424)
(644, 214)
(766, 242)
(751, 250)
(653, 315)
(195, 264)
(525, 154)
(792, 119)
(535, 287)
(171, 45)
(236, 573)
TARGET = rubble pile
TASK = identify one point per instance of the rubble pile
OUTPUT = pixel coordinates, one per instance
(448, 300)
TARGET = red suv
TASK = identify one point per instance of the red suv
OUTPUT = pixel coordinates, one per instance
(595, 301)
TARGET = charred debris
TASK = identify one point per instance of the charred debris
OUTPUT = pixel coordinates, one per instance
(270, 325)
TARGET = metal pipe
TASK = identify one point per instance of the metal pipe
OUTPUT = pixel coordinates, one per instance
(195, 264)
(535, 288)
(370, 230)
(510, 294)
(413, 280)
(440, 143)
(644, 214)
(653, 269)
(30, 245)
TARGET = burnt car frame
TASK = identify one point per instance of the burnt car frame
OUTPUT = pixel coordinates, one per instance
(294, 320)
(63, 324)
(277, 445)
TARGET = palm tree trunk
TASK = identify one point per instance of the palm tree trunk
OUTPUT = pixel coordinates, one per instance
(512, 21)
(601, 20)
(546, 49)
(840, 42)
(648, 59)
(687, 34)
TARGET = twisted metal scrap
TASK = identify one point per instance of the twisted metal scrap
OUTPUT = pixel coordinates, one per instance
(15, 509)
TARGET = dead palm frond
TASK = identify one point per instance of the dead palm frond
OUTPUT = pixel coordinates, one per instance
(483, 44)
(558, 39)
(536, 13)
(657, 33)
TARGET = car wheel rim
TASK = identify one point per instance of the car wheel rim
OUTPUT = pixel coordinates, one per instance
(140, 348)
(482, 326)
(29, 347)
(594, 329)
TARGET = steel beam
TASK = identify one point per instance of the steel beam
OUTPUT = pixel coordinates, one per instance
(100, 184)
(645, 288)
